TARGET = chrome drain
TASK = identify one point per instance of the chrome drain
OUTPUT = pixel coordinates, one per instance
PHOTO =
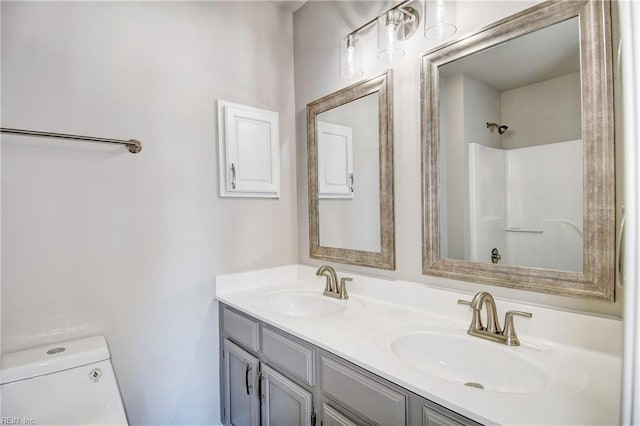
(474, 385)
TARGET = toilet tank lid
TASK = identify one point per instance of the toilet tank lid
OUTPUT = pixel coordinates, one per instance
(52, 358)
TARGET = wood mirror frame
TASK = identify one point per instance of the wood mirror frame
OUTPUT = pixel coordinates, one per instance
(597, 279)
(385, 258)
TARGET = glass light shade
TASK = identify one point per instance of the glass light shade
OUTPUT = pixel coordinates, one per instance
(350, 57)
(439, 19)
(391, 36)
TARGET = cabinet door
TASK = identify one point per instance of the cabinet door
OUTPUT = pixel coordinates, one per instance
(283, 401)
(249, 151)
(241, 399)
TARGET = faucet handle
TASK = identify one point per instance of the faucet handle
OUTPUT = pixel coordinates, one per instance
(509, 329)
(342, 289)
(518, 313)
(464, 302)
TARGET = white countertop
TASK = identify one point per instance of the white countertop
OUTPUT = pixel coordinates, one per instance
(587, 348)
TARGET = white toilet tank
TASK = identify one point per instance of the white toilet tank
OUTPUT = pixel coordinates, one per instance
(61, 384)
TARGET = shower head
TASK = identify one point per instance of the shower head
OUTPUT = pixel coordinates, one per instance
(501, 127)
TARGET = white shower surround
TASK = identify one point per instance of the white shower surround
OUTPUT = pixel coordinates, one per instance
(527, 202)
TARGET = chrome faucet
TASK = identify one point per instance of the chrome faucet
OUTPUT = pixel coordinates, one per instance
(492, 330)
(333, 288)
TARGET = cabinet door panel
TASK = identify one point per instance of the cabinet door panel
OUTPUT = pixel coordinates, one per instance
(242, 403)
(284, 402)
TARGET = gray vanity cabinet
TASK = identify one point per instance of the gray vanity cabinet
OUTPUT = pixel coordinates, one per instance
(268, 377)
(274, 379)
(241, 400)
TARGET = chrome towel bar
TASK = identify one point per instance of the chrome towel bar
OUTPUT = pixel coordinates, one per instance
(134, 146)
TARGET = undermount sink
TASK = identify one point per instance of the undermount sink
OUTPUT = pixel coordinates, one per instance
(481, 364)
(306, 303)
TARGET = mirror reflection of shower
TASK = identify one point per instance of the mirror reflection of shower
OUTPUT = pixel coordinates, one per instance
(501, 127)
(525, 205)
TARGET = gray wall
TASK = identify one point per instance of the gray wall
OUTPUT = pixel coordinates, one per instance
(481, 106)
(318, 29)
(545, 112)
(99, 241)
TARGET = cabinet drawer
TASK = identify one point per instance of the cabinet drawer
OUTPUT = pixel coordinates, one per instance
(240, 329)
(333, 417)
(370, 399)
(432, 418)
(436, 415)
(288, 354)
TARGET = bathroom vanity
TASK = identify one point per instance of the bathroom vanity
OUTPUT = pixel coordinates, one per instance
(300, 383)
(271, 375)
(399, 353)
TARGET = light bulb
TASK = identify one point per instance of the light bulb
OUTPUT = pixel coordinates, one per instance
(391, 36)
(351, 61)
(390, 28)
(350, 58)
(441, 10)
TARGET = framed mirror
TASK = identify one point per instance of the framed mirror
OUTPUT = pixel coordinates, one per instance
(518, 153)
(350, 155)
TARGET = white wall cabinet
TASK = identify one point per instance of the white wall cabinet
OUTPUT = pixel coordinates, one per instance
(335, 161)
(249, 151)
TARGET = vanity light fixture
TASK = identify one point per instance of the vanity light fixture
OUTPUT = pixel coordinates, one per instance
(395, 25)
(350, 57)
(439, 19)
